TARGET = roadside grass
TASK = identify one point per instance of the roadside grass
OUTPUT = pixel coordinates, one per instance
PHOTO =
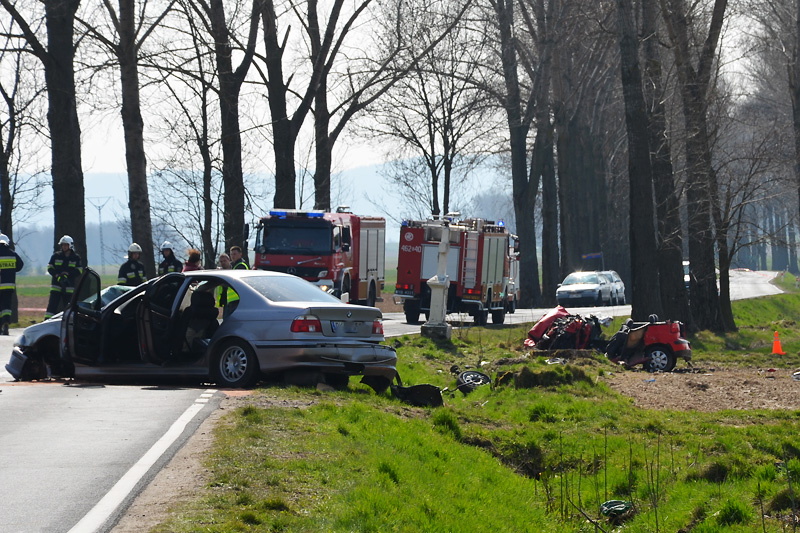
(539, 450)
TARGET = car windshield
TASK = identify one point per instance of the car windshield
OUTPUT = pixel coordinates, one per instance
(288, 289)
(108, 295)
(580, 277)
(281, 237)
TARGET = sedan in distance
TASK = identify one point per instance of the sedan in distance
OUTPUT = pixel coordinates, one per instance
(584, 288)
(617, 287)
(230, 327)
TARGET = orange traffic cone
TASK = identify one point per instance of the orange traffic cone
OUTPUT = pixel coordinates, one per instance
(776, 346)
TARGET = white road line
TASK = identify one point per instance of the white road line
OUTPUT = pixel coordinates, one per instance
(95, 518)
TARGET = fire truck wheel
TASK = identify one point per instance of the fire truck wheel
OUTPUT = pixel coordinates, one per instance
(411, 309)
(499, 316)
(512, 307)
(372, 296)
(481, 316)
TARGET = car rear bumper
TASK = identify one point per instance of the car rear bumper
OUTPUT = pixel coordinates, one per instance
(354, 359)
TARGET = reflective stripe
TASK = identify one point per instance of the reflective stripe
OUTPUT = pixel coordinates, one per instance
(9, 262)
(5, 312)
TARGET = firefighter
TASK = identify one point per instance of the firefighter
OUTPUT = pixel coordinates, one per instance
(65, 267)
(237, 263)
(10, 264)
(131, 273)
(170, 262)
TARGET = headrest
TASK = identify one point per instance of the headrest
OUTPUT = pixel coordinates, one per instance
(202, 299)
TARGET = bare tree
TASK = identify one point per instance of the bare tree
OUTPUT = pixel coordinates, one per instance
(694, 83)
(62, 116)
(20, 118)
(440, 120)
(230, 85)
(644, 265)
(125, 42)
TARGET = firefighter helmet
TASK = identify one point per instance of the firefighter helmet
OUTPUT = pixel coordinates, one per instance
(166, 246)
(66, 239)
(4, 239)
(134, 248)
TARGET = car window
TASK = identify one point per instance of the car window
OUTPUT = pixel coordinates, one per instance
(580, 277)
(165, 291)
(288, 289)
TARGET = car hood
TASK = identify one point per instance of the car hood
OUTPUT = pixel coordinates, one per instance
(579, 287)
(31, 334)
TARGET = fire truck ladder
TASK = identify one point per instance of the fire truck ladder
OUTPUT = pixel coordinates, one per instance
(470, 268)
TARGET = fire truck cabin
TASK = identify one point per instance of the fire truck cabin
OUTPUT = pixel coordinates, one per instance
(340, 252)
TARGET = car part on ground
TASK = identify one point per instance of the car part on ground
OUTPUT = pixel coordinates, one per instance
(469, 380)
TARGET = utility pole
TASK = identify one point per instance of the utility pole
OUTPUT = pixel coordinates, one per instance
(99, 203)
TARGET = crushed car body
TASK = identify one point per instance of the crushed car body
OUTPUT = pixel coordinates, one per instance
(227, 326)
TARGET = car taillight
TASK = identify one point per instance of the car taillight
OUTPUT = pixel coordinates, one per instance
(404, 286)
(306, 324)
(377, 327)
(472, 291)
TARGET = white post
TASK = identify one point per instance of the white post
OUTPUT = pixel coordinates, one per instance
(437, 326)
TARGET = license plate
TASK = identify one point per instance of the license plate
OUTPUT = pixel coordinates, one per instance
(348, 327)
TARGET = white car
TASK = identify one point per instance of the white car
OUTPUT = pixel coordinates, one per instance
(584, 289)
(618, 287)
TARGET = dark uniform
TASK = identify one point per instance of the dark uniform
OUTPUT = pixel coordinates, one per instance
(10, 264)
(65, 271)
(169, 264)
(131, 273)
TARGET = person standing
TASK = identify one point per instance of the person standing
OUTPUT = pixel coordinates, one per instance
(65, 267)
(237, 263)
(170, 262)
(10, 264)
(224, 261)
(193, 262)
(131, 273)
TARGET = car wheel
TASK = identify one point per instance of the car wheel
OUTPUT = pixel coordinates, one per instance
(470, 380)
(623, 299)
(659, 358)
(235, 365)
(411, 309)
(372, 297)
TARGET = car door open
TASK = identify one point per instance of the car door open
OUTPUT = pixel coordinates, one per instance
(80, 326)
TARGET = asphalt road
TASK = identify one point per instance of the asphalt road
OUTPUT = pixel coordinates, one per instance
(74, 454)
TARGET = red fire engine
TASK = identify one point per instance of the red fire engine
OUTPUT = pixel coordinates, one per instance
(478, 264)
(341, 252)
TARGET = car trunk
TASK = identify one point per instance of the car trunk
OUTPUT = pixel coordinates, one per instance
(354, 322)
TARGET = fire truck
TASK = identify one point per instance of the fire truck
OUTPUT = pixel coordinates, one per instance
(342, 253)
(478, 264)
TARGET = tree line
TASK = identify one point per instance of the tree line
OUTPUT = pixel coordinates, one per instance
(650, 131)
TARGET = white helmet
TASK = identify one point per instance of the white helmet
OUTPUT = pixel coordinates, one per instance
(134, 248)
(4, 239)
(66, 239)
(166, 246)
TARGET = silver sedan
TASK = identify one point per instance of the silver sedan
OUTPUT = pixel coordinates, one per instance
(228, 326)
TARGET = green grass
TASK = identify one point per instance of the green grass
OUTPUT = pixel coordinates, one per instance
(539, 452)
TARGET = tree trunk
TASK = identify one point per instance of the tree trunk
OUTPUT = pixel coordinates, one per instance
(518, 131)
(646, 291)
(670, 240)
(551, 274)
(324, 157)
(282, 132)
(133, 127)
(62, 118)
(693, 86)
(230, 84)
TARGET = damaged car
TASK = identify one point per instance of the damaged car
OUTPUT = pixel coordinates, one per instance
(230, 327)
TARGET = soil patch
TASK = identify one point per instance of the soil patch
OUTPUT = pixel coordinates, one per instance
(709, 389)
